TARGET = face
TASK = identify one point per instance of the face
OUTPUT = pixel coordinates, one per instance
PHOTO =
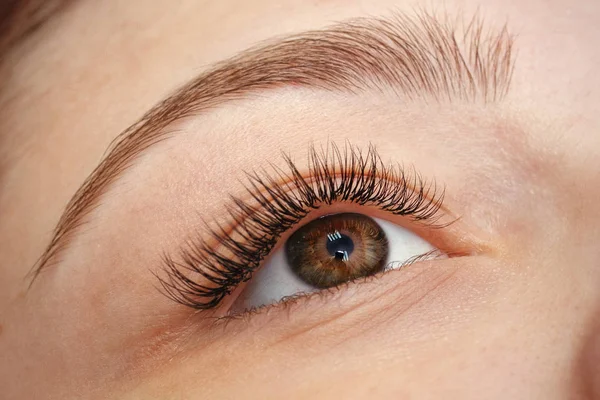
(398, 206)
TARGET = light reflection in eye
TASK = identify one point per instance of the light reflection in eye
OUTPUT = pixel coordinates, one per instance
(329, 251)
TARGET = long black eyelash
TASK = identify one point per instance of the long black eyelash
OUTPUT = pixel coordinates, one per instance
(215, 263)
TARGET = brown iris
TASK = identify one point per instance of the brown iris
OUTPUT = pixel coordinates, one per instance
(337, 248)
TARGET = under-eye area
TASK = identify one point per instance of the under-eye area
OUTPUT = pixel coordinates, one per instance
(346, 215)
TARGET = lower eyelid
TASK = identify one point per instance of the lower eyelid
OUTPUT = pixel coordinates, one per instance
(413, 277)
(395, 288)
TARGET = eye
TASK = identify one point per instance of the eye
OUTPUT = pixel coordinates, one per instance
(329, 251)
(241, 254)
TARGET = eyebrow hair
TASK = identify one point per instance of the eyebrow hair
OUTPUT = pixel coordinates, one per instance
(416, 56)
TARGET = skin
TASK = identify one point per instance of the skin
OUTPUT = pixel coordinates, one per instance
(517, 317)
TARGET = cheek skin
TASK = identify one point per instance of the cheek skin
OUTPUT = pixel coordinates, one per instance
(588, 376)
(435, 330)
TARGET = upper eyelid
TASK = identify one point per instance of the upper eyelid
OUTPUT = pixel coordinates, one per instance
(413, 55)
(237, 253)
(449, 216)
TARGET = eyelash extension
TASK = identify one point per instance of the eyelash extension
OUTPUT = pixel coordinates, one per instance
(203, 274)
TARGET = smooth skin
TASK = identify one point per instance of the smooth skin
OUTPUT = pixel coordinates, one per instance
(518, 318)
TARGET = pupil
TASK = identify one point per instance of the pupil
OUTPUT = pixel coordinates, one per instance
(339, 246)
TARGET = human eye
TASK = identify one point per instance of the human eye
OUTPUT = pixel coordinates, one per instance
(330, 251)
(348, 216)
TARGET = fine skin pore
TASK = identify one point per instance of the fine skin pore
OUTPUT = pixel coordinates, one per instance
(516, 316)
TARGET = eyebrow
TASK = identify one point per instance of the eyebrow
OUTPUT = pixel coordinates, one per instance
(416, 56)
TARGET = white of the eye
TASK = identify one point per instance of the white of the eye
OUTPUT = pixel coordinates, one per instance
(403, 244)
(276, 280)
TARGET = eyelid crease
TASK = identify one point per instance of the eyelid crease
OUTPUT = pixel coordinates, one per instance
(336, 176)
(308, 178)
(417, 56)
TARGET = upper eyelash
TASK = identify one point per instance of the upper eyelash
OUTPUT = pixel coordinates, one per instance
(283, 200)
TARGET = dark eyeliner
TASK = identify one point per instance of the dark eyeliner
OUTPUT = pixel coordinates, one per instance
(203, 273)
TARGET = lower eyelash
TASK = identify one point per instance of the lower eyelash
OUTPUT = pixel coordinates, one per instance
(203, 274)
(290, 301)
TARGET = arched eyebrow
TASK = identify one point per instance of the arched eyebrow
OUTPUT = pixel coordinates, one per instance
(416, 56)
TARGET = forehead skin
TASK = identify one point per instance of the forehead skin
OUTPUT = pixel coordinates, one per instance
(88, 74)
